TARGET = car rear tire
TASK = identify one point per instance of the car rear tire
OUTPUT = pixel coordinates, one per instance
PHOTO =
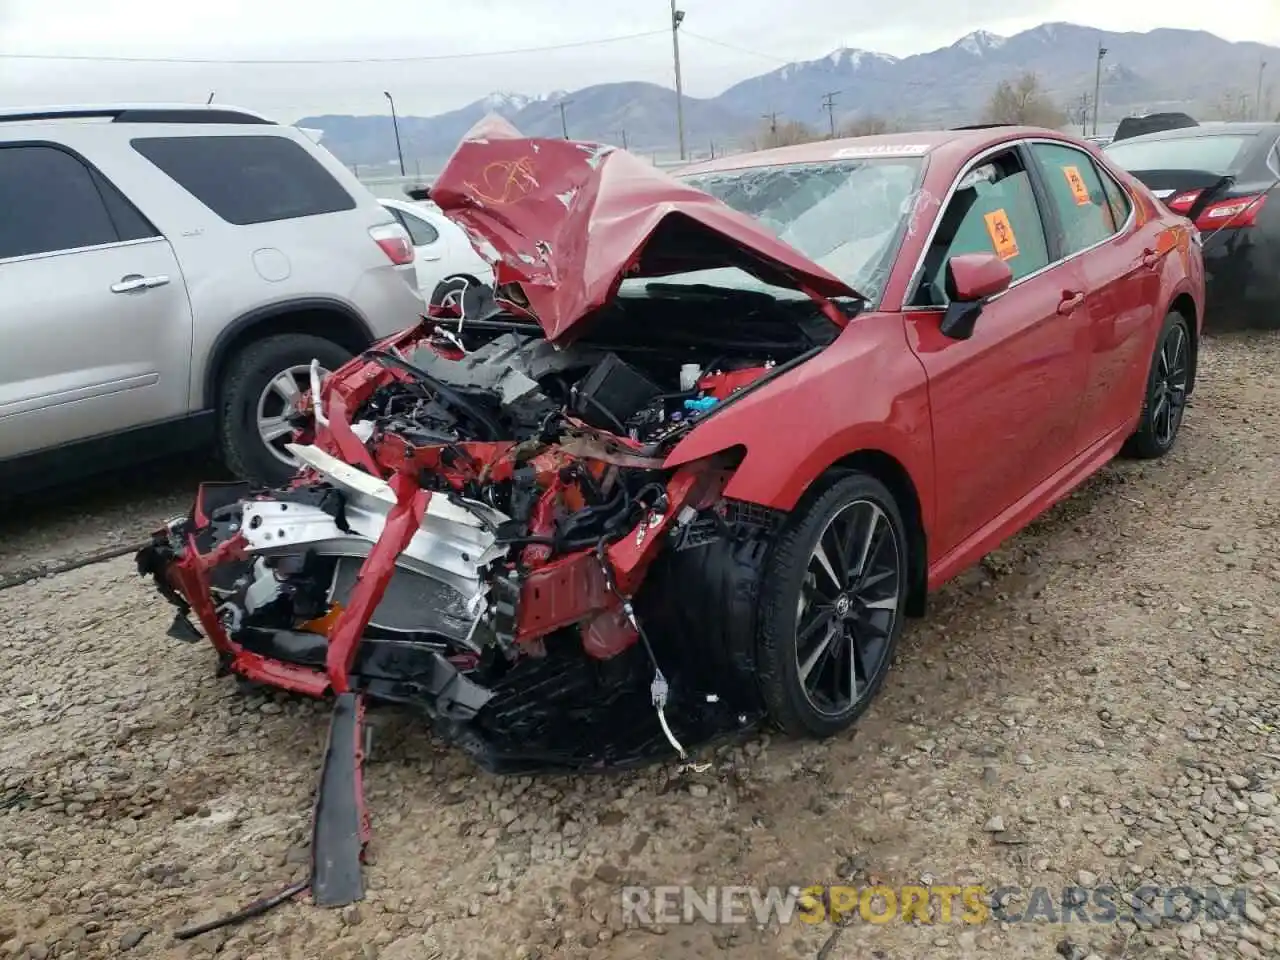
(452, 287)
(1165, 398)
(254, 393)
(832, 607)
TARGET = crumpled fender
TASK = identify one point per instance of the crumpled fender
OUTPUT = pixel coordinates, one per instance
(865, 392)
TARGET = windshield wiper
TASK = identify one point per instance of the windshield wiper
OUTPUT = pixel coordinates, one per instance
(709, 291)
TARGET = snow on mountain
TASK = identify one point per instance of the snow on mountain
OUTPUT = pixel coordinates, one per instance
(502, 101)
(943, 87)
(979, 42)
(842, 58)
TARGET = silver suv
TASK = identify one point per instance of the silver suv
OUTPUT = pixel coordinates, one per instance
(167, 275)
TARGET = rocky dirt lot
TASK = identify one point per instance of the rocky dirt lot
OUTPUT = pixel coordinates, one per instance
(1097, 704)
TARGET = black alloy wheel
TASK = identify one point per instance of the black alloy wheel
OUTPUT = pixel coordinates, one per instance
(1168, 384)
(834, 608)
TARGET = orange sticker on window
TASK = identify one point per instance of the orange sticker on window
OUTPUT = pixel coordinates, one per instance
(1078, 189)
(1002, 236)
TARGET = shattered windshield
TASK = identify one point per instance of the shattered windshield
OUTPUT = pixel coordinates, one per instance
(845, 215)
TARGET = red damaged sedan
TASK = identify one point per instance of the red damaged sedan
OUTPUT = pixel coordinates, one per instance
(704, 446)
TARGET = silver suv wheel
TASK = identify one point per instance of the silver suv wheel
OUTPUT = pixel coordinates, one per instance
(262, 383)
(276, 403)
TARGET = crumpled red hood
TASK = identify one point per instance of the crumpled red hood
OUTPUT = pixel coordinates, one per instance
(568, 221)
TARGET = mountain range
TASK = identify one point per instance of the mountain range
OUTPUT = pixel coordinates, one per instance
(1161, 69)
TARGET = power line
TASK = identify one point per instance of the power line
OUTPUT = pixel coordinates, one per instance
(1097, 86)
(829, 104)
(1084, 114)
(564, 122)
(735, 48)
(677, 18)
(262, 62)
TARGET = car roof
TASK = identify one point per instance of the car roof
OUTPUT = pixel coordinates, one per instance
(964, 140)
(1231, 128)
(136, 113)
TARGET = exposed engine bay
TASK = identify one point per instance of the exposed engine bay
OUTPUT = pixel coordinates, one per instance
(481, 528)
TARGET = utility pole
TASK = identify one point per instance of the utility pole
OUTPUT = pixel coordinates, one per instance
(1257, 103)
(773, 122)
(1084, 114)
(1097, 85)
(564, 123)
(395, 125)
(623, 133)
(677, 18)
(713, 149)
(829, 102)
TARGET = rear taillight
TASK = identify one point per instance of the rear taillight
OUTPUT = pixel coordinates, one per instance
(394, 241)
(1183, 202)
(1234, 213)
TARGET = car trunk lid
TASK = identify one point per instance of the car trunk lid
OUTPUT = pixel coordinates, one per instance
(1209, 200)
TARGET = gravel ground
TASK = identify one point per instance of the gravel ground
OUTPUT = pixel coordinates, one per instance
(58, 526)
(1097, 703)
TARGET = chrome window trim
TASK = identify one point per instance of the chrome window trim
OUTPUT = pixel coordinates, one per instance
(45, 254)
(917, 272)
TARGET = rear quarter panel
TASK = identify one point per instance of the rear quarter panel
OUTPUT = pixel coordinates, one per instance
(866, 391)
(1182, 270)
(1179, 274)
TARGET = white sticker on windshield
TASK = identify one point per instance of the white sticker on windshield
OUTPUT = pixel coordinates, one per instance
(882, 150)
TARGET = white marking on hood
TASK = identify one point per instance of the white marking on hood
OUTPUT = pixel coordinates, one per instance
(882, 150)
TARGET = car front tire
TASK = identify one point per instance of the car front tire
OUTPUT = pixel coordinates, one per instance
(257, 387)
(1165, 399)
(832, 607)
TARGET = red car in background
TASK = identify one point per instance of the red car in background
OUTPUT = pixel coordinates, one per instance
(705, 445)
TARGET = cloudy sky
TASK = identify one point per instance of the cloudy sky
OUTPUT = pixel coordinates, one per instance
(750, 37)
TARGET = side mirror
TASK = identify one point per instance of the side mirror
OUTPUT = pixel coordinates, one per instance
(972, 279)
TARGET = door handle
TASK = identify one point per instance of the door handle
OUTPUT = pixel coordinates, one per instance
(1069, 302)
(1150, 259)
(135, 281)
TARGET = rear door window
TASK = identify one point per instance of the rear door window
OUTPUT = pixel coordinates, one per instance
(51, 201)
(248, 179)
(1077, 194)
(1116, 197)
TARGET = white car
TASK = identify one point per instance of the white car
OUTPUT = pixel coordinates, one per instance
(168, 273)
(441, 248)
